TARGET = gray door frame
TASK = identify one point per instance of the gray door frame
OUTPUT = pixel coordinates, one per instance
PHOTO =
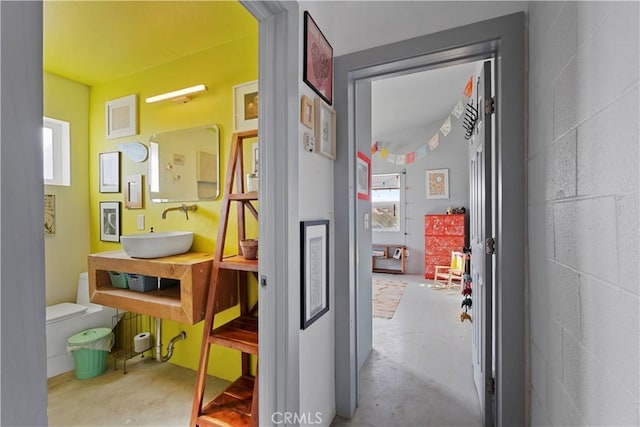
(278, 323)
(504, 39)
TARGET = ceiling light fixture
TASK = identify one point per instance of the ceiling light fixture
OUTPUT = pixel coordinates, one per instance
(180, 95)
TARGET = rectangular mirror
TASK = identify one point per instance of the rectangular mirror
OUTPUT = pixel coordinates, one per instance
(184, 165)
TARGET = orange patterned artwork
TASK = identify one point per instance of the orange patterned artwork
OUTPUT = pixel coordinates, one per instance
(438, 184)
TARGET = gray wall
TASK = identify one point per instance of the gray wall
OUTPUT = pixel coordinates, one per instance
(583, 213)
(452, 154)
(23, 384)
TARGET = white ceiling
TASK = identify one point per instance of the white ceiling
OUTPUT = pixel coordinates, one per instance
(414, 101)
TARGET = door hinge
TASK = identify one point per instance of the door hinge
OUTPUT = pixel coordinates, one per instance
(490, 246)
(489, 106)
(490, 386)
(263, 281)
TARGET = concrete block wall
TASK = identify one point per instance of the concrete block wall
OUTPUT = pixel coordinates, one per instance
(583, 215)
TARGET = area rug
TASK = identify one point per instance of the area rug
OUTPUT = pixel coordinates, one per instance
(386, 296)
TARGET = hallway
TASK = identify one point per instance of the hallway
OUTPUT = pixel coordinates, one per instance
(419, 373)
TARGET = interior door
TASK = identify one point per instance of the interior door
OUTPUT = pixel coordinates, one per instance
(482, 247)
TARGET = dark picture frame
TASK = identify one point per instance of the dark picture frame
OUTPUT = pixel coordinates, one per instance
(110, 221)
(314, 271)
(317, 70)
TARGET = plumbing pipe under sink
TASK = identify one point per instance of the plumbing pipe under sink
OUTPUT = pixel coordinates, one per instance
(158, 348)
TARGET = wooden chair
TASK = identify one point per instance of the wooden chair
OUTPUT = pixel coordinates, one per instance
(447, 276)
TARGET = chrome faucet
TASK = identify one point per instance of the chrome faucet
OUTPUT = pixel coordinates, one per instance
(184, 208)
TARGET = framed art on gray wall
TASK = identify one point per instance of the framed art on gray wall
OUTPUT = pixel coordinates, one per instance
(318, 60)
(325, 129)
(438, 184)
(363, 177)
(314, 266)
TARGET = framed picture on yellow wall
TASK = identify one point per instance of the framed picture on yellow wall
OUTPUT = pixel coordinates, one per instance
(49, 214)
(245, 106)
(110, 172)
(133, 191)
(121, 117)
(110, 221)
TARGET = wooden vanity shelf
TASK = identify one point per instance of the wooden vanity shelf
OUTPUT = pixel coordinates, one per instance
(184, 303)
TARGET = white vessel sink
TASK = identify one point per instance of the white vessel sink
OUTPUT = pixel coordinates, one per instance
(158, 244)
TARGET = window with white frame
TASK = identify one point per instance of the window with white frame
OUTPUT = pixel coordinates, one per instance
(385, 202)
(56, 159)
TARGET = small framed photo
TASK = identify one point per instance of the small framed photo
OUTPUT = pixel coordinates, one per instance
(49, 214)
(306, 112)
(110, 221)
(437, 184)
(121, 117)
(110, 172)
(314, 264)
(363, 184)
(245, 106)
(318, 60)
(397, 253)
(133, 191)
(325, 129)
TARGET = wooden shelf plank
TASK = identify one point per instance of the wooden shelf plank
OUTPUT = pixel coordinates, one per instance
(387, 270)
(240, 333)
(239, 263)
(232, 407)
(250, 196)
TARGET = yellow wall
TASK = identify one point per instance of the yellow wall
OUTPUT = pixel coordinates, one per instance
(66, 251)
(219, 68)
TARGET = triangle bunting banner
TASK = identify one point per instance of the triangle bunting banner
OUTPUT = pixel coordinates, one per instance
(457, 111)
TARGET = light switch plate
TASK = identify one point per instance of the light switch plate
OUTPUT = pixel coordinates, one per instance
(140, 222)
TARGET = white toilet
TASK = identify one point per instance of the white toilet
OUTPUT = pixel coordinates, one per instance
(66, 319)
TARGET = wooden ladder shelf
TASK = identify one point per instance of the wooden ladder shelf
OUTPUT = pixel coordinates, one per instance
(238, 404)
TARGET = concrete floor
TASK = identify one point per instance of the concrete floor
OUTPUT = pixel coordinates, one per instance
(149, 394)
(419, 374)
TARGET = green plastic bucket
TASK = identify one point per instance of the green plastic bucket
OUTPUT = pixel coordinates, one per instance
(89, 350)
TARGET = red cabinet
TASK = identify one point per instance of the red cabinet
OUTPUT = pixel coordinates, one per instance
(442, 235)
